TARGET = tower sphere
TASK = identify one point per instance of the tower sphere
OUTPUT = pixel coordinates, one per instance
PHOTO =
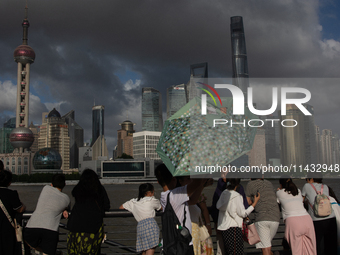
(24, 54)
(47, 158)
(21, 137)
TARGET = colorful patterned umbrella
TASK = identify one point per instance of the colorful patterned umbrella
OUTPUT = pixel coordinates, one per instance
(189, 139)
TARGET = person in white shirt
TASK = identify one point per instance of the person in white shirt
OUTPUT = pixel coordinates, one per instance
(180, 197)
(41, 231)
(230, 218)
(143, 209)
(299, 230)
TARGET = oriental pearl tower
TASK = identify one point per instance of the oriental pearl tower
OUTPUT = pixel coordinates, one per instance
(22, 137)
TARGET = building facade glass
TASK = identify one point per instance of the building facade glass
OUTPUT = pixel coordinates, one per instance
(152, 119)
(97, 122)
(175, 99)
(239, 54)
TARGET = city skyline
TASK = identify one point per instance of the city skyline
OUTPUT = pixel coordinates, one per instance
(82, 57)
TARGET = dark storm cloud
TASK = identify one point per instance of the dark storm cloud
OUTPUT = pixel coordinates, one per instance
(81, 45)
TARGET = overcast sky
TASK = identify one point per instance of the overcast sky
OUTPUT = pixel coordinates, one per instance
(106, 51)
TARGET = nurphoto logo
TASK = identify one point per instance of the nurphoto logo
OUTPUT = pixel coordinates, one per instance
(239, 103)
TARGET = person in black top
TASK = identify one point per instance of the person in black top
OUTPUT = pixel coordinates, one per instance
(86, 220)
(10, 199)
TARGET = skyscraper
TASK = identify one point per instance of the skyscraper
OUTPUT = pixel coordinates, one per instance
(318, 145)
(24, 55)
(199, 70)
(76, 134)
(152, 119)
(54, 134)
(239, 54)
(125, 138)
(191, 88)
(298, 145)
(98, 144)
(175, 99)
(5, 131)
(310, 141)
(97, 122)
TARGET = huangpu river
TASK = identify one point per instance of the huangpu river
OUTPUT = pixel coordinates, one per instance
(120, 193)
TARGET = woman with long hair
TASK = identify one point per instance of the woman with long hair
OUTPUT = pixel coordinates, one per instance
(231, 214)
(86, 220)
(143, 209)
(299, 230)
(10, 200)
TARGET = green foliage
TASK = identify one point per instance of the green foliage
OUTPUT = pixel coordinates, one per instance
(41, 177)
(126, 156)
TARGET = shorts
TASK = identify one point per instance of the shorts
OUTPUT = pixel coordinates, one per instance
(266, 230)
(44, 239)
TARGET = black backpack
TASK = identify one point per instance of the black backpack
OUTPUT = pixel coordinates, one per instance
(174, 243)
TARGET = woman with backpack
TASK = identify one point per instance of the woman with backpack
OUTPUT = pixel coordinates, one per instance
(143, 209)
(299, 231)
(325, 226)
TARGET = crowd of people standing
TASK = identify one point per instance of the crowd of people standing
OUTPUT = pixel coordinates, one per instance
(305, 231)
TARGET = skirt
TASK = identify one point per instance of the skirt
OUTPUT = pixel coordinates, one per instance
(147, 234)
(85, 243)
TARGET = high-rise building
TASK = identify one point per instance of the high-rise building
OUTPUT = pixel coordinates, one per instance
(292, 143)
(11, 123)
(76, 134)
(310, 142)
(5, 144)
(326, 146)
(97, 122)
(257, 155)
(272, 135)
(24, 55)
(145, 144)
(54, 134)
(125, 138)
(34, 129)
(191, 88)
(5, 131)
(239, 54)
(98, 143)
(175, 99)
(298, 144)
(152, 116)
(318, 145)
(199, 70)
(335, 149)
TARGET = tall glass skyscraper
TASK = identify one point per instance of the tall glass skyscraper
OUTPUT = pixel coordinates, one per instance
(191, 88)
(97, 122)
(175, 99)
(152, 119)
(239, 54)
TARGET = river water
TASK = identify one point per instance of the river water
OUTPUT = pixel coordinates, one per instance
(120, 193)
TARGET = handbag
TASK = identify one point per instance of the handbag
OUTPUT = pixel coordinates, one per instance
(249, 233)
(204, 234)
(16, 226)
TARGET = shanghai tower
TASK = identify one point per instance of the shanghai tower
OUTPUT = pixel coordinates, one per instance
(239, 54)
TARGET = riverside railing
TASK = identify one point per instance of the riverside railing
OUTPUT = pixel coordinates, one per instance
(120, 228)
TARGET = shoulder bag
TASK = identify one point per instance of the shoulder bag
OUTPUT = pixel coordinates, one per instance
(16, 226)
